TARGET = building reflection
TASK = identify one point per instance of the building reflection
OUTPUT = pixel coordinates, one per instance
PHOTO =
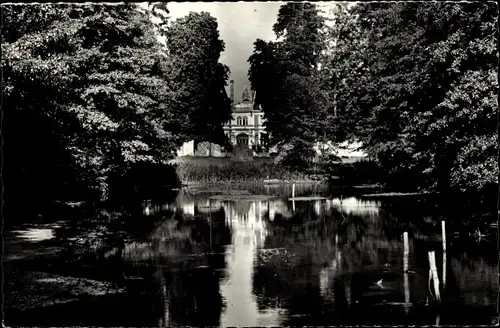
(200, 262)
(260, 263)
(248, 229)
(194, 289)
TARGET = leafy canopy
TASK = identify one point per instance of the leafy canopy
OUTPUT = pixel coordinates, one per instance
(285, 76)
(194, 47)
(92, 78)
(417, 83)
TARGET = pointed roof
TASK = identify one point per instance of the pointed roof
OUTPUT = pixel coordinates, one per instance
(247, 103)
(245, 96)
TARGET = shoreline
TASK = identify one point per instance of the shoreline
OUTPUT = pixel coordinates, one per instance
(250, 182)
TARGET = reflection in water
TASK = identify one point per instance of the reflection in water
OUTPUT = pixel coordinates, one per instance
(328, 274)
(248, 233)
(278, 207)
(339, 261)
(476, 279)
(407, 292)
(355, 206)
(188, 208)
(150, 209)
(35, 235)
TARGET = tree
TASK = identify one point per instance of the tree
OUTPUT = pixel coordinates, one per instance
(343, 42)
(422, 97)
(285, 76)
(194, 47)
(102, 102)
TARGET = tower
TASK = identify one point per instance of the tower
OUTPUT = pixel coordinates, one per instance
(231, 93)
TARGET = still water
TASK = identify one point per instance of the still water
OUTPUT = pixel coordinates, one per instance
(257, 261)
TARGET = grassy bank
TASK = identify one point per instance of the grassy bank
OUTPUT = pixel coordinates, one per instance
(222, 169)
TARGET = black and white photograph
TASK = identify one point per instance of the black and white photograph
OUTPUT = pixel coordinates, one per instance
(250, 164)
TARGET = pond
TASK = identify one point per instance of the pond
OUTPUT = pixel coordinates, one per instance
(333, 257)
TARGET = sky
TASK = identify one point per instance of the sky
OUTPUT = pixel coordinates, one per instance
(240, 25)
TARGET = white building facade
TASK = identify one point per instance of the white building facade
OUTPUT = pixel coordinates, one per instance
(247, 124)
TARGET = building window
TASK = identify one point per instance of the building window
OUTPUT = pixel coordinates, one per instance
(264, 139)
(242, 120)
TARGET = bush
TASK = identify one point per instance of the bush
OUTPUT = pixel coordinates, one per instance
(241, 152)
(143, 179)
(352, 173)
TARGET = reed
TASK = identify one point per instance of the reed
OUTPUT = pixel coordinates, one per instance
(225, 170)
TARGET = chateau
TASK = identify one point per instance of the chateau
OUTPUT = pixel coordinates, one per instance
(246, 126)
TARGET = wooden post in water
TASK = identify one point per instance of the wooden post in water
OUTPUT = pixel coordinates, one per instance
(435, 277)
(210, 211)
(406, 252)
(293, 196)
(443, 228)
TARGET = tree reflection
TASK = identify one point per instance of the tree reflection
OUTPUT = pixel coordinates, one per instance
(337, 251)
(195, 261)
(189, 260)
(170, 263)
(194, 298)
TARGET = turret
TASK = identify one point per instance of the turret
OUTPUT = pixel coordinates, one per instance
(231, 93)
